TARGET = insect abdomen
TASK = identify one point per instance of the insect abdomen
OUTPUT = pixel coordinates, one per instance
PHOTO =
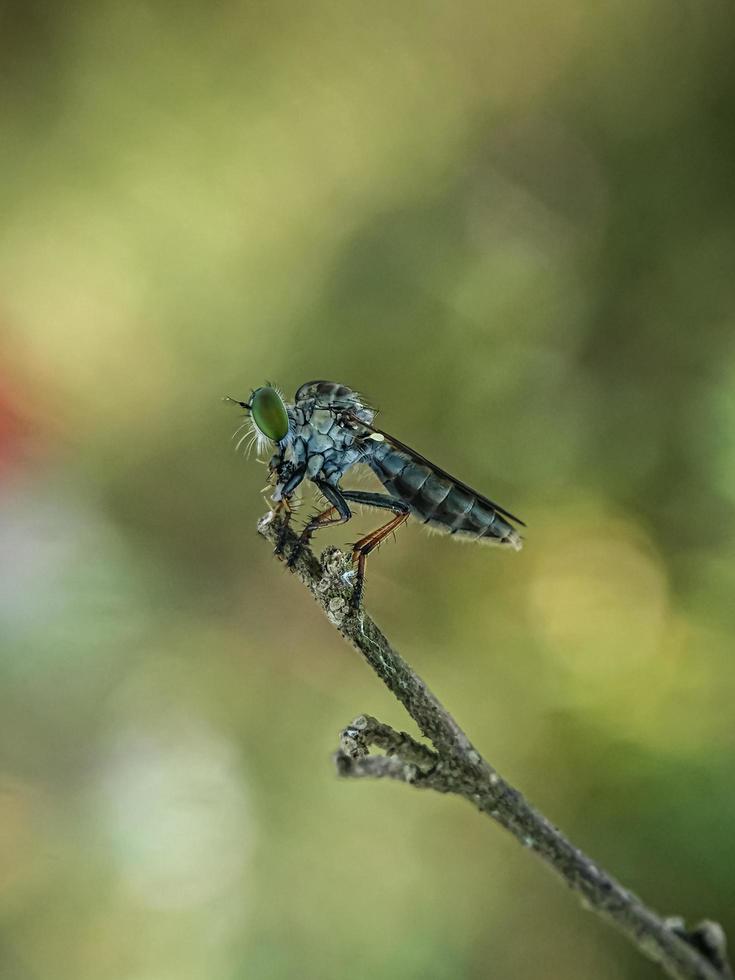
(438, 501)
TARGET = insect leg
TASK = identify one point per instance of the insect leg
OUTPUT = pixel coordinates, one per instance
(362, 548)
(337, 503)
(284, 511)
(283, 504)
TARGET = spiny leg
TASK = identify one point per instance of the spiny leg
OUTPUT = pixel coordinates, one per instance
(325, 519)
(362, 548)
(283, 506)
(284, 511)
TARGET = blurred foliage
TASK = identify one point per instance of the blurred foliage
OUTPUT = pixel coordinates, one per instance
(512, 227)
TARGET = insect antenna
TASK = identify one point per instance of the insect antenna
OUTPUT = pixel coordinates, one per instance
(236, 401)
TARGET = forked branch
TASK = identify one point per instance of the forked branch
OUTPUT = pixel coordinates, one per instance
(453, 765)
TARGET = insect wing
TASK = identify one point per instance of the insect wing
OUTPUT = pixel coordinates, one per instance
(401, 447)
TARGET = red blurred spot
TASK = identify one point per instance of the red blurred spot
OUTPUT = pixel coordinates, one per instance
(16, 429)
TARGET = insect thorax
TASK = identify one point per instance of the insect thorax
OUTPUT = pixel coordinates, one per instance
(320, 439)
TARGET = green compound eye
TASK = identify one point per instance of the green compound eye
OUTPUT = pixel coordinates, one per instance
(269, 413)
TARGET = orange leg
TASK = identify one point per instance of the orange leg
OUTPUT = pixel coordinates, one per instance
(320, 520)
(325, 519)
(362, 548)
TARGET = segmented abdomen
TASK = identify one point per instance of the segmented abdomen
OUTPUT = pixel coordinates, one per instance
(437, 500)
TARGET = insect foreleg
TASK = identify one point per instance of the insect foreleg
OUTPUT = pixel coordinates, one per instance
(282, 505)
(283, 509)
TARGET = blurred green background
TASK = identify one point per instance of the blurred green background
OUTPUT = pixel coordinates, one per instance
(512, 227)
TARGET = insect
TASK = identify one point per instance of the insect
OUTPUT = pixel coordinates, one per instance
(329, 429)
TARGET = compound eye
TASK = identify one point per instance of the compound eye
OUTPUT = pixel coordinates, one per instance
(269, 413)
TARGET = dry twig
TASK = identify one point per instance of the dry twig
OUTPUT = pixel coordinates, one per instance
(453, 765)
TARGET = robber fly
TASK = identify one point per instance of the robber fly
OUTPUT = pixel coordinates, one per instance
(329, 429)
